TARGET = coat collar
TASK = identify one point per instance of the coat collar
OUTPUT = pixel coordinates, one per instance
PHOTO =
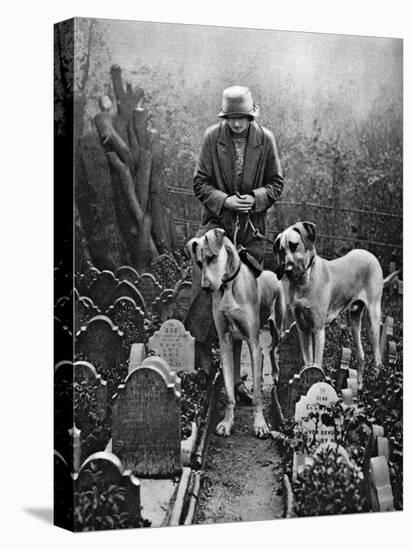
(252, 154)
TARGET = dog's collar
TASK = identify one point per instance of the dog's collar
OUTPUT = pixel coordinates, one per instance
(310, 263)
(230, 277)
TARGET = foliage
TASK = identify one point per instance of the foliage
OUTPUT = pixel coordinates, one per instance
(101, 505)
(329, 486)
(193, 399)
(95, 433)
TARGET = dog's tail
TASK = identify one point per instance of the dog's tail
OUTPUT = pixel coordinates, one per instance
(389, 278)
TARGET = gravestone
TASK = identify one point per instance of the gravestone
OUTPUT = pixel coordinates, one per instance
(182, 297)
(127, 289)
(163, 306)
(85, 309)
(136, 357)
(127, 273)
(149, 287)
(146, 420)
(104, 469)
(102, 289)
(290, 357)
(320, 398)
(100, 342)
(380, 486)
(301, 383)
(130, 319)
(386, 334)
(175, 345)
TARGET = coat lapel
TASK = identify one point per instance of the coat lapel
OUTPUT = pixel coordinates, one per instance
(252, 157)
(226, 155)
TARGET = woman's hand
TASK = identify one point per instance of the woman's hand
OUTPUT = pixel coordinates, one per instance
(240, 203)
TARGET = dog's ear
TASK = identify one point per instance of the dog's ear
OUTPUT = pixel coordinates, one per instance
(307, 233)
(191, 248)
(279, 262)
(310, 230)
(214, 239)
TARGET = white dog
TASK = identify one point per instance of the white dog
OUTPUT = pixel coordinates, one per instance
(242, 304)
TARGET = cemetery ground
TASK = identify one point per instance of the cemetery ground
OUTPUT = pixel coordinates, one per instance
(141, 448)
(241, 478)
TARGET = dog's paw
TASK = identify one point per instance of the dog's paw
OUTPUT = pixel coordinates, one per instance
(261, 429)
(224, 428)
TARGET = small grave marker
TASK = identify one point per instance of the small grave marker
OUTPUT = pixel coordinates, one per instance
(100, 343)
(301, 383)
(146, 420)
(102, 289)
(175, 345)
(130, 319)
(149, 287)
(79, 372)
(381, 491)
(127, 273)
(181, 299)
(125, 288)
(163, 306)
(319, 399)
(136, 357)
(104, 469)
(85, 309)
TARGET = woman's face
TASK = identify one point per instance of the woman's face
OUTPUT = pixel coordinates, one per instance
(238, 124)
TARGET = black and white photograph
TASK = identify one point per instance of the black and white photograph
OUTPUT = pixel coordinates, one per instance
(229, 284)
(205, 224)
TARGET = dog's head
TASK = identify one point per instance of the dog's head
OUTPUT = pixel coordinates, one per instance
(214, 254)
(294, 249)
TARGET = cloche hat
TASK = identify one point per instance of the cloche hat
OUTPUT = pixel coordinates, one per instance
(237, 100)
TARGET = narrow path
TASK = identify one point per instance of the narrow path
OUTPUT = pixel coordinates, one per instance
(241, 474)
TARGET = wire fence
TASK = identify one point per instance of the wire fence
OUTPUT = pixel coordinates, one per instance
(339, 229)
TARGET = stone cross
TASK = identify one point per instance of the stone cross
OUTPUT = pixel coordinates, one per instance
(146, 420)
(175, 345)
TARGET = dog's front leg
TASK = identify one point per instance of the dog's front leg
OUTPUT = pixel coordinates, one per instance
(319, 342)
(260, 426)
(227, 358)
(306, 345)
